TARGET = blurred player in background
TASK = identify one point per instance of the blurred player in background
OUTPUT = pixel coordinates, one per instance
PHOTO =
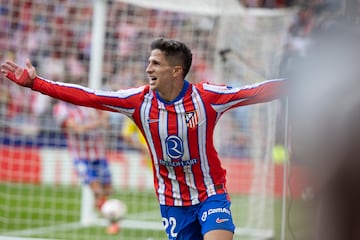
(135, 139)
(178, 119)
(84, 129)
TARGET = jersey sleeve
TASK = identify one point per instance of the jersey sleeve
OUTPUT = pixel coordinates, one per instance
(223, 98)
(123, 101)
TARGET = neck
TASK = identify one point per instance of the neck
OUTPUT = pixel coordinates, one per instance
(172, 93)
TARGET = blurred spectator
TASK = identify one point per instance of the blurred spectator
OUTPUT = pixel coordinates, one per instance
(75, 68)
(53, 66)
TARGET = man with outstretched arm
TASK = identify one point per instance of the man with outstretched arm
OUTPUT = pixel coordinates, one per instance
(177, 119)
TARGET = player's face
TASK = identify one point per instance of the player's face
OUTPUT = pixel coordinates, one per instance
(159, 71)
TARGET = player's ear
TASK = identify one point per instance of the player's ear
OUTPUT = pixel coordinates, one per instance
(177, 70)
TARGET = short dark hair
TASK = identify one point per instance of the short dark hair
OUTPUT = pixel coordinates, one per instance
(176, 52)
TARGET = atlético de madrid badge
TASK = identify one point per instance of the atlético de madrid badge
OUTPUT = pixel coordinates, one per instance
(191, 119)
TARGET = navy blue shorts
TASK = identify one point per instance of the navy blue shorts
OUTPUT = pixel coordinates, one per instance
(191, 223)
(89, 171)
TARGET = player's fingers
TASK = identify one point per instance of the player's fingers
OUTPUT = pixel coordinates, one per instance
(31, 69)
(11, 65)
(5, 68)
(28, 63)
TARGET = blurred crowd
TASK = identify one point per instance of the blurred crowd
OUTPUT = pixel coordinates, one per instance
(56, 36)
(267, 3)
(315, 17)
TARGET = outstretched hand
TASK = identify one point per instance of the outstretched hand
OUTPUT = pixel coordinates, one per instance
(22, 76)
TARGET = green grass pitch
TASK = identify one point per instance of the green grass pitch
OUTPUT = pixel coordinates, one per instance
(59, 207)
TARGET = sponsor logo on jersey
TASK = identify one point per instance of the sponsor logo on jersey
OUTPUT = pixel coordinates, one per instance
(178, 163)
(152, 120)
(216, 210)
(221, 220)
(174, 147)
(204, 216)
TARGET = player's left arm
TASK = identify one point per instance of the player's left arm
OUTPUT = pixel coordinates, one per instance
(264, 91)
(226, 97)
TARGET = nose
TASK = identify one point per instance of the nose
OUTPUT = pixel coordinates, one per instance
(148, 69)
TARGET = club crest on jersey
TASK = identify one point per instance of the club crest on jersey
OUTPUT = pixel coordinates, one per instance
(191, 119)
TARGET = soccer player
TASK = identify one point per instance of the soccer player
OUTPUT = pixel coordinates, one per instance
(84, 130)
(177, 119)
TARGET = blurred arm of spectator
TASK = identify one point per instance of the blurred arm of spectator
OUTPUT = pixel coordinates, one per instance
(101, 121)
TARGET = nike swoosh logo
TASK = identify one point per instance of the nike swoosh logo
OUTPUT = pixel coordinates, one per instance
(152, 120)
(221, 220)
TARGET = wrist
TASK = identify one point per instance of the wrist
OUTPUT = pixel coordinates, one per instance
(36, 83)
(25, 79)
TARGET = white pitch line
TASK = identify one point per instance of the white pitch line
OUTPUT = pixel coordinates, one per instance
(126, 223)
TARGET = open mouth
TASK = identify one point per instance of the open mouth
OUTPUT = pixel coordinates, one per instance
(152, 79)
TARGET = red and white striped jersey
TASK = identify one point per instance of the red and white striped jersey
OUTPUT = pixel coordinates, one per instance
(179, 134)
(89, 145)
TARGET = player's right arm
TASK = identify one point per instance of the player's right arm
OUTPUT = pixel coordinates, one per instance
(119, 101)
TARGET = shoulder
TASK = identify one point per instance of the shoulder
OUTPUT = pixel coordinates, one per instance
(124, 93)
(213, 87)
